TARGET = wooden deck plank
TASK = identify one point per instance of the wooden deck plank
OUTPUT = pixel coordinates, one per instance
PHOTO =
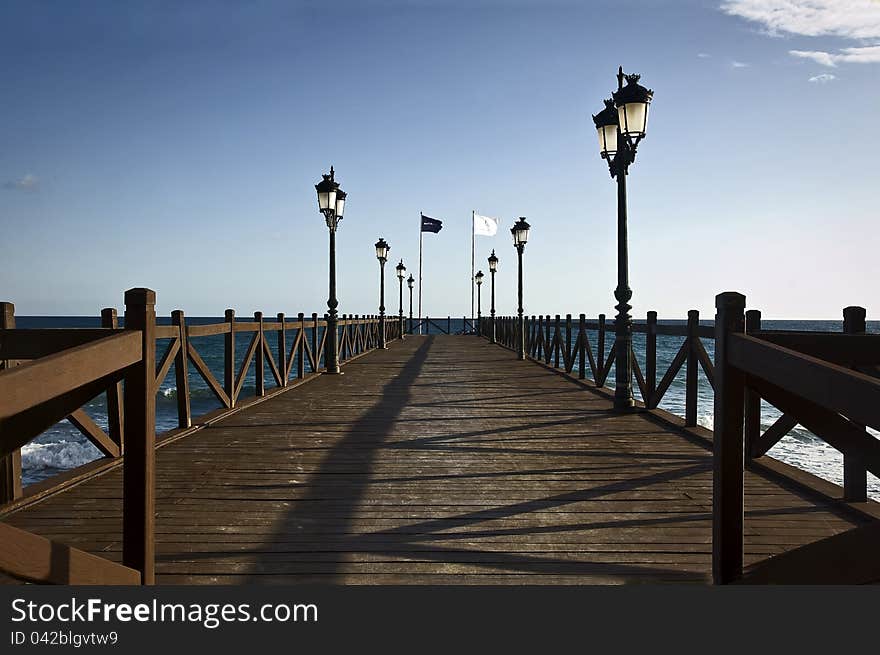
(442, 460)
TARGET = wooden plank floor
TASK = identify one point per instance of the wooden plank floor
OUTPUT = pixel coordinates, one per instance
(440, 460)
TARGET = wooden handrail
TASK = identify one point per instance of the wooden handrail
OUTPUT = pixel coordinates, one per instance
(824, 383)
(34, 343)
(40, 380)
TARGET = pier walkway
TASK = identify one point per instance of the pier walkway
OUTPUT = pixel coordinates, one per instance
(442, 459)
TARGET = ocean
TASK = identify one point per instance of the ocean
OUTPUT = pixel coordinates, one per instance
(62, 447)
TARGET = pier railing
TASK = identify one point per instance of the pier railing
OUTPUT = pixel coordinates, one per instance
(558, 342)
(826, 382)
(48, 375)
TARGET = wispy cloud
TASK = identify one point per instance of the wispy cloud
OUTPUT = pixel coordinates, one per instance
(865, 55)
(738, 64)
(822, 78)
(851, 19)
(854, 19)
(703, 55)
(27, 183)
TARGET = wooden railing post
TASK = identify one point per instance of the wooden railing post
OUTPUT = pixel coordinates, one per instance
(229, 358)
(282, 350)
(691, 380)
(529, 332)
(301, 348)
(139, 472)
(315, 352)
(855, 476)
(752, 406)
(181, 374)
(548, 343)
(651, 358)
(600, 344)
(10, 466)
(539, 338)
(115, 421)
(582, 350)
(568, 345)
(449, 325)
(260, 362)
(727, 459)
(557, 341)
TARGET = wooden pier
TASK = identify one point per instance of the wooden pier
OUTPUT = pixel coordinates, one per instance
(440, 460)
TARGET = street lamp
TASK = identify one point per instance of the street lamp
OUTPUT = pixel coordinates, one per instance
(621, 126)
(478, 278)
(520, 232)
(331, 203)
(409, 282)
(401, 269)
(382, 249)
(493, 266)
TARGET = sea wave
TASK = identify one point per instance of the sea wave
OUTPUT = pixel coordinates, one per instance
(59, 455)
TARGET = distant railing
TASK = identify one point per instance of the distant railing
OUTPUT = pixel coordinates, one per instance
(49, 374)
(549, 340)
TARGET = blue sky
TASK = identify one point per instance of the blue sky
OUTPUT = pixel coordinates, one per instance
(176, 145)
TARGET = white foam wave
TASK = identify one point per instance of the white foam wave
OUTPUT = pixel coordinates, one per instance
(61, 454)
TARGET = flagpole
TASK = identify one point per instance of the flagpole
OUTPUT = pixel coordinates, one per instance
(473, 226)
(420, 272)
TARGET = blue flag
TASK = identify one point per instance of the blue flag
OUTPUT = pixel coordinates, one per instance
(431, 224)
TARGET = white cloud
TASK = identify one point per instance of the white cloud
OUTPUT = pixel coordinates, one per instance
(855, 19)
(822, 78)
(703, 55)
(865, 55)
(27, 183)
(738, 64)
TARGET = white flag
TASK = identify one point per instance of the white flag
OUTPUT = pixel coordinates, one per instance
(485, 226)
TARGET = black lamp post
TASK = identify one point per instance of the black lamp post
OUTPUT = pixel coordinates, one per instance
(382, 249)
(409, 282)
(401, 269)
(621, 126)
(478, 278)
(331, 203)
(493, 266)
(520, 232)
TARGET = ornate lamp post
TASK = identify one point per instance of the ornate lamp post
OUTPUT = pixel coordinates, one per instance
(621, 126)
(409, 282)
(478, 278)
(493, 266)
(520, 232)
(331, 203)
(401, 269)
(382, 249)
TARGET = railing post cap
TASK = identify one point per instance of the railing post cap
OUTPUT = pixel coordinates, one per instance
(280, 316)
(730, 300)
(694, 313)
(301, 315)
(258, 315)
(854, 310)
(652, 315)
(140, 296)
(176, 312)
(229, 313)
